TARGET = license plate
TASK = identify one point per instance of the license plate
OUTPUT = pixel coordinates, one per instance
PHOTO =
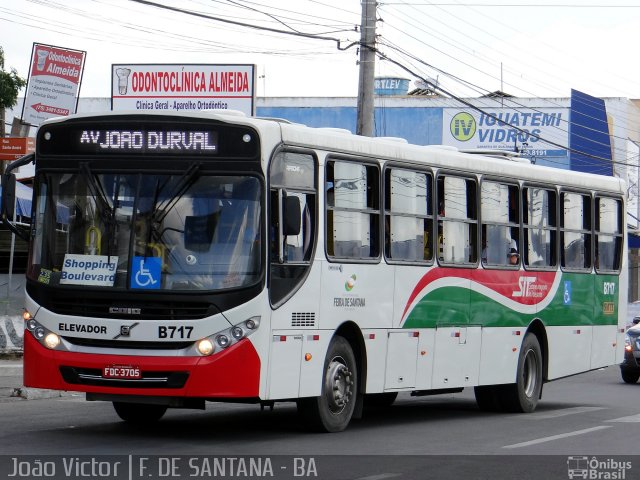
(128, 372)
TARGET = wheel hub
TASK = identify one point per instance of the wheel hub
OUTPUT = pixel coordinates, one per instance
(338, 385)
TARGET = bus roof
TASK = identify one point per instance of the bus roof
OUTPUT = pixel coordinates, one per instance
(341, 141)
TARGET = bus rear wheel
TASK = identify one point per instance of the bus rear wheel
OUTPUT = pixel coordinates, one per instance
(139, 413)
(333, 409)
(523, 395)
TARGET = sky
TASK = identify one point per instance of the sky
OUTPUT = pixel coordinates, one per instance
(469, 47)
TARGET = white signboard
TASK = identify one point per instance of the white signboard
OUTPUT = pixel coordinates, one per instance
(98, 270)
(508, 129)
(54, 83)
(175, 88)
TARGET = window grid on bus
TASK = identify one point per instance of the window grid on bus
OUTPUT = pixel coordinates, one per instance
(500, 210)
(608, 234)
(457, 220)
(408, 216)
(353, 210)
(539, 242)
(575, 231)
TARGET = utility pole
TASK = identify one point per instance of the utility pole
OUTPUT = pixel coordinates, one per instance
(367, 68)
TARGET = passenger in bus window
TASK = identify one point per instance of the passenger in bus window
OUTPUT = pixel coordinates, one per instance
(513, 255)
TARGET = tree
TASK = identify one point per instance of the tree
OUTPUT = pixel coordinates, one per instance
(10, 85)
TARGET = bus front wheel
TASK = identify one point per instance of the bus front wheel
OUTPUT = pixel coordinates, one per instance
(523, 395)
(138, 413)
(333, 409)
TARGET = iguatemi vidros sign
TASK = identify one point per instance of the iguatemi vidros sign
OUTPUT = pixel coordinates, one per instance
(524, 129)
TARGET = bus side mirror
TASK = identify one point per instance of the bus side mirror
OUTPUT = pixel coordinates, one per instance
(291, 216)
(8, 196)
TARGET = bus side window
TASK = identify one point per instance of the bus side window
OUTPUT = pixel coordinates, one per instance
(500, 224)
(353, 210)
(408, 215)
(608, 233)
(539, 220)
(457, 221)
(575, 231)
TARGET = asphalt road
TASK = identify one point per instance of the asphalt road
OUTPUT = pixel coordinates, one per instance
(591, 419)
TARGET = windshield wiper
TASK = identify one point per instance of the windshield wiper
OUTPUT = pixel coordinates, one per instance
(184, 183)
(95, 187)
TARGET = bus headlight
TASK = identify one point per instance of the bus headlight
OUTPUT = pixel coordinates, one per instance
(253, 323)
(237, 332)
(51, 340)
(222, 340)
(46, 338)
(227, 337)
(205, 347)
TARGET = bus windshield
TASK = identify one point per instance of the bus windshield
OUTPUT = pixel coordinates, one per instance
(145, 231)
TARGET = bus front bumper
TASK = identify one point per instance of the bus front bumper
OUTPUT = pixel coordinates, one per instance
(231, 373)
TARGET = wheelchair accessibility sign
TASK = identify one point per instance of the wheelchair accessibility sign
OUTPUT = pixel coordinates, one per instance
(567, 293)
(145, 272)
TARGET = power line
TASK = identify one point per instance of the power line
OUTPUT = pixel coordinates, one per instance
(512, 5)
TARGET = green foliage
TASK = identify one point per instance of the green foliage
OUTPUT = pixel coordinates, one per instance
(10, 84)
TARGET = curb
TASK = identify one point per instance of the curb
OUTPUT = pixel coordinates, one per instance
(39, 393)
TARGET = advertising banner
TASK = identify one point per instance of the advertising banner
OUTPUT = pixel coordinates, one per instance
(12, 148)
(174, 88)
(54, 82)
(508, 129)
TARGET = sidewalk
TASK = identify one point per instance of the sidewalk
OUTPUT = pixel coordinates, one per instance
(11, 385)
(10, 377)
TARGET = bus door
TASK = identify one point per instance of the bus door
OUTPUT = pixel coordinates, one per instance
(293, 283)
(609, 285)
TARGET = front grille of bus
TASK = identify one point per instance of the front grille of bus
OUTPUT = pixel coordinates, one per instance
(93, 376)
(92, 342)
(100, 308)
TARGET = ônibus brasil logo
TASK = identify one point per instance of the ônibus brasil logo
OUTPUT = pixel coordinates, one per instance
(463, 126)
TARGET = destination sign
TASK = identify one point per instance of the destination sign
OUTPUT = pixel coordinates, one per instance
(151, 140)
(147, 136)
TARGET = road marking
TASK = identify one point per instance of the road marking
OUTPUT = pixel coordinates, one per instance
(556, 437)
(629, 419)
(561, 412)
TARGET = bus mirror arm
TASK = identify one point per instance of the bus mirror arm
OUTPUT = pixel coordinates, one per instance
(9, 195)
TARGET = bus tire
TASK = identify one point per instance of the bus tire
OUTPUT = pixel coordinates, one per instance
(139, 413)
(523, 396)
(333, 409)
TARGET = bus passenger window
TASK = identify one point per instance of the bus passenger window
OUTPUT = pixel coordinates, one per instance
(353, 220)
(408, 215)
(500, 224)
(609, 237)
(539, 227)
(457, 222)
(575, 230)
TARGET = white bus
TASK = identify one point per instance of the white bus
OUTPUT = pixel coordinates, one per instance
(180, 259)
